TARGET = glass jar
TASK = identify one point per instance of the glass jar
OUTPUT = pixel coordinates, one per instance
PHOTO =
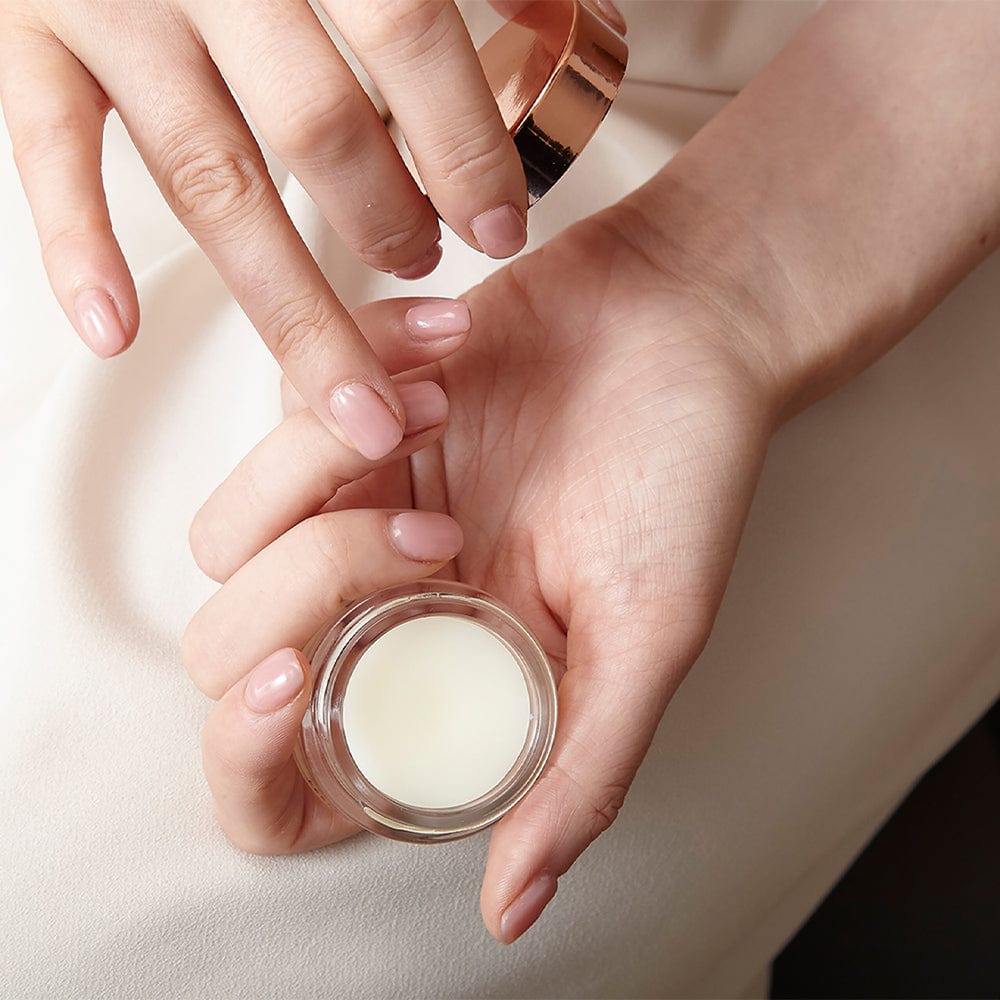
(433, 712)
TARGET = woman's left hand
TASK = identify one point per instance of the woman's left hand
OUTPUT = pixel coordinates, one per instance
(607, 425)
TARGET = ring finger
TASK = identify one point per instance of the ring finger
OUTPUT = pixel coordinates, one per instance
(312, 111)
(285, 593)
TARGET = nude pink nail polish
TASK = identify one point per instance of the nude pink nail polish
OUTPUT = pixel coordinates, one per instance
(425, 403)
(501, 232)
(437, 320)
(274, 683)
(527, 908)
(422, 267)
(424, 536)
(365, 417)
(98, 322)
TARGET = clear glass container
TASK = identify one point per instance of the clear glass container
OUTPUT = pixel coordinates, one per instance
(323, 753)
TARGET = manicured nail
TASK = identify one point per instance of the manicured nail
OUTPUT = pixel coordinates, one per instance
(425, 403)
(527, 908)
(612, 14)
(438, 320)
(366, 419)
(274, 683)
(501, 232)
(98, 321)
(421, 268)
(425, 537)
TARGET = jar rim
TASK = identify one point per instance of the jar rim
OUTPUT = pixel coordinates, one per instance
(323, 753)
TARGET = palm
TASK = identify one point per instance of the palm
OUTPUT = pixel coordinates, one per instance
(599, 449)
(602, 446)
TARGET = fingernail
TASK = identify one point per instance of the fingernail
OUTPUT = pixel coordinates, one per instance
(98, 321)
(613, 14)
(527, 908)
(426, 405)
(274, 683)
(437, 320)
(422, 267)
(425, 537)
(501, 232)
(366, 419)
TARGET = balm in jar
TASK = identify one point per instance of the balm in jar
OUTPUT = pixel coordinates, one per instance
(433, 712)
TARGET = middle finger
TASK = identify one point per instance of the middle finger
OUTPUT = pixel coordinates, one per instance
(314, 114)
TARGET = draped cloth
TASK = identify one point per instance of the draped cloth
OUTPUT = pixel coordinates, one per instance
(859, 637)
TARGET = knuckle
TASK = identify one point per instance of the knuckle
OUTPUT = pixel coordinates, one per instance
(297, 327)
(203, 540)
(332, 558)
(475, 155)
(40, 139)
(327, 124)
(212, 185)
(68, 238)
(198, 651)
(399, 237)
(595, 809)
(414, 26)
(605, 807)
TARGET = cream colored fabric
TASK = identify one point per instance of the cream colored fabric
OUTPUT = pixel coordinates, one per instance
(859, 638)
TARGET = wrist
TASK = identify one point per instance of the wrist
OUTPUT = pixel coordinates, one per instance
(840, 196)
(749, 306)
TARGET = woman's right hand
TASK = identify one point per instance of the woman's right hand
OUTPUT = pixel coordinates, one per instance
(167, 67)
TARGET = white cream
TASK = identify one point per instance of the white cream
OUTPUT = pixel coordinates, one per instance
(436, 711)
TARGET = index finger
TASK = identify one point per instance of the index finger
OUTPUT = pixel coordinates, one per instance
(202, 155)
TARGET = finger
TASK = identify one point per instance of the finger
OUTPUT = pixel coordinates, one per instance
(610, 701)
(299, 468)
(55, 114)
(291, 400)
(189, 131)
(420, 55)
(298, 583)
(290, 475)
(315, 115)
(405, 333)
(261, 801)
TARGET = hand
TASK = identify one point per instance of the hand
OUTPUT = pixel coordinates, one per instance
(167, 68)
(607, 424)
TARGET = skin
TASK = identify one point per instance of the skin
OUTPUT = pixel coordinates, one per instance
(639, 527)
(174, 70)
(609, 417)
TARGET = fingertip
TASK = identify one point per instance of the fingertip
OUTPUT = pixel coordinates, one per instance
(423, 266)
(366, 419)
(525, 909)
(500, 232)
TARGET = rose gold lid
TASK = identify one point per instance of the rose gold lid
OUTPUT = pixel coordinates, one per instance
(555, 70)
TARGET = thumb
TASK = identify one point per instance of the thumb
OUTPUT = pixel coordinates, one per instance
(262, 802)
(624, 664)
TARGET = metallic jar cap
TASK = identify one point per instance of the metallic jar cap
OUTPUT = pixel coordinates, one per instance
(555, 70)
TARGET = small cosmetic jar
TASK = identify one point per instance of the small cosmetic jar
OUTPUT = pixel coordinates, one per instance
(433, 712)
